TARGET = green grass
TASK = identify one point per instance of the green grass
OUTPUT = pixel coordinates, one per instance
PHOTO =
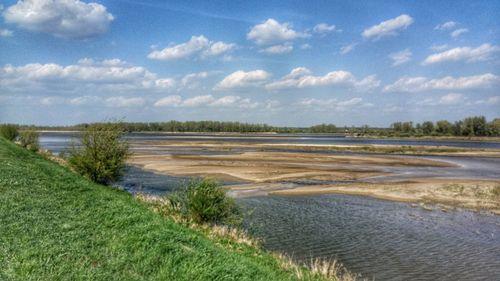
(55, 225)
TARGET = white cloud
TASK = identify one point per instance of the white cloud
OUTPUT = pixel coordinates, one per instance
(86, 76)
(198, 46)
(305, 46)
(451, 99)
(348, 48)
(6, 32)
(388, 28)
(121, 101)
(207, 100)
(226, 101)
(393, 108)
(51, 100)
(446, 26)
(198, 100)
(85, 100)
(301, 77)
(169, 101)
(494, 100)
(438, 48)
(192, 80)
(400, 57)
(468, 54)
(329, 104)
(458, 32)
(323, 28)
(272, 32)
(418, 84)
(242, 79)
(277, 49)
(60, 18)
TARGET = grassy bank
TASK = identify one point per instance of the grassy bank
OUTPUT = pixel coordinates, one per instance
(55, 225)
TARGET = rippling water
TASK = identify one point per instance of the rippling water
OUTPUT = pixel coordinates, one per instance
(379, 239)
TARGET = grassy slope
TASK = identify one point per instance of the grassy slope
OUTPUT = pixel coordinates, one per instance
(55, 225)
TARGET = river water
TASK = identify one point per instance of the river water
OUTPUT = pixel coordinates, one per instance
(379, 239)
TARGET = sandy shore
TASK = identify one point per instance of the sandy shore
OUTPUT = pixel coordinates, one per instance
(471, 194)
(259, 167)
(297, 171)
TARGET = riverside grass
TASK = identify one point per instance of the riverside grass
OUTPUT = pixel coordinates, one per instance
(56, 225)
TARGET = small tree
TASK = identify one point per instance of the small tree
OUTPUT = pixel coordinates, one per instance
(101, 154)
(9, 131)
(29, 139)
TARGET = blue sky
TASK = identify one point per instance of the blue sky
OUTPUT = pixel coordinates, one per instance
(297, 63)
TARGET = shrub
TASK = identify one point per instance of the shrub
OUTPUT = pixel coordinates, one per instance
(101, 153)
(9, 131)
(205, 201)
(29, 139)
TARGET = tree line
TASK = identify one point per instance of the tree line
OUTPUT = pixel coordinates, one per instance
(470, 126)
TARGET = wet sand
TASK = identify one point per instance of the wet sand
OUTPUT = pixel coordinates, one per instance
(258, 167)
(470, 194)
(294, 170)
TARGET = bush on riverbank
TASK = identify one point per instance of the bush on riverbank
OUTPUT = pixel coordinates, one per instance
(9, 131)
(102, 153)
(29, 139)
(205, 201)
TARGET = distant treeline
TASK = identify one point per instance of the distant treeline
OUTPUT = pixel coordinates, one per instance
(470, 126)
(208, 127)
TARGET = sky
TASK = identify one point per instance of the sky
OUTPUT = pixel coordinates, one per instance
(286, 63)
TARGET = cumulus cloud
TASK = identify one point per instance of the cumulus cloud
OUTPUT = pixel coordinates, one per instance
(60, 18)
(305, 46)
(301, 77)
(6, 32)
(400, 57)
(446, 26)
(198, 46)
(334, 104)
(121, 101)
(243, 79)
(438, 48)
(458, 32)
(277, 49)
(207, 100)
(418, 84)
(323, 28)
(468, 54)
(451, 99)
(85, 100)
(174, 100)
(272, 32)
(494, 100)
(388, 28)
(348, 48)
(86, 75)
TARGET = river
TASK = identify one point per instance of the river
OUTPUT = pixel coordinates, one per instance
(382, 240)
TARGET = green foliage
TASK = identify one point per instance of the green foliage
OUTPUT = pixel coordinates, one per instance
(9, 131)
(29, 139)
(205, 201)
(323, 128)
(101, 154)
(56, 225)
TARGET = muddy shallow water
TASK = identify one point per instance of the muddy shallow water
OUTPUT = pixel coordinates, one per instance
(380, 239)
